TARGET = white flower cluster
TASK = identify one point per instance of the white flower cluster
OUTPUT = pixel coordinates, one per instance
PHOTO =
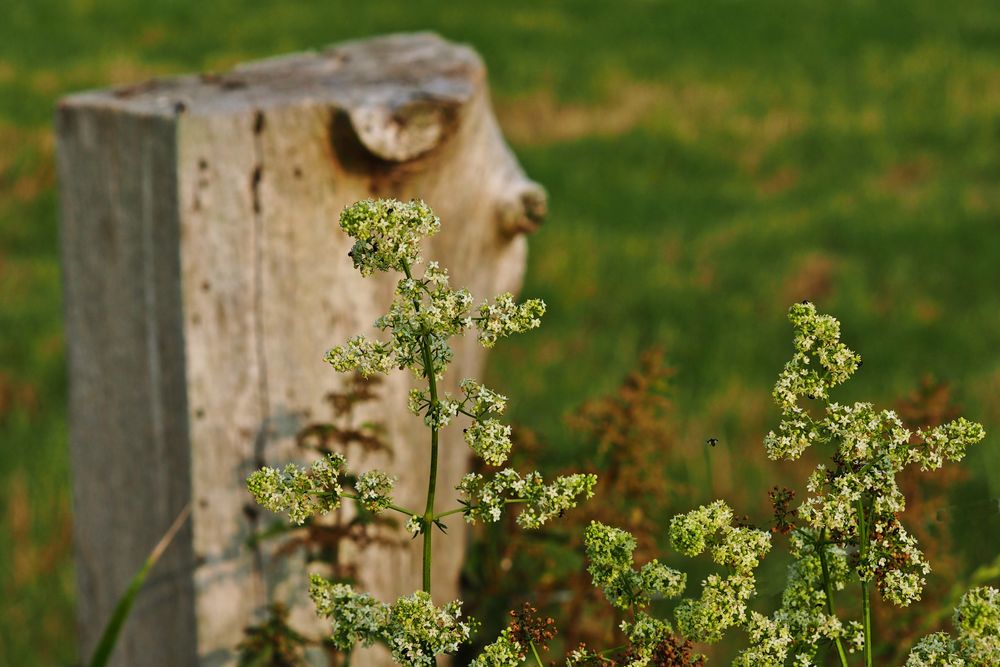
(437, 415)
(355, 617)
(722, 605)
(802, 617)
(937, 650)
(892, 557)
(609, 562)
(302, 493)
(505, 317)
(367, 357)
(770, 641)
(375, 490)
(417, 630)
(387, 232)
(414, 629)
(490, 439)
(866, 434)
(441, 414)
(486, 436)
(820, 363)
(946, 442)
(872, 447)
(644, 633)
(977, 619)
(579, 655)
(485, 499)
(425, 309)
(691, 532)
(425, 312)
(817, 338)
(506, 651)
(483, 401)
(417, 401)
(415, 524)
(723, 602)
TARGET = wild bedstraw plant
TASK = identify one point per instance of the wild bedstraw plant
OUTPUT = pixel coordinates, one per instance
(425, 314)
(845, 534)
(849, 537)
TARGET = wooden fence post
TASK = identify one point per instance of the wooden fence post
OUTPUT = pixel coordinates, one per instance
(205, 276)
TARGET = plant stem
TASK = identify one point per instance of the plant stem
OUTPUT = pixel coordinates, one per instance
(466, 508)
(450, 512)
(429, 509)
(401, 510)
(534, 652)
(828, 586)
(425, 348)
(866, 602)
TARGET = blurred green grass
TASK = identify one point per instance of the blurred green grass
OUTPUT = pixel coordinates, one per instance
(707, 163)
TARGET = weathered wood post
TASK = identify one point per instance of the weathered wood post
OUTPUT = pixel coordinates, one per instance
(205, 277)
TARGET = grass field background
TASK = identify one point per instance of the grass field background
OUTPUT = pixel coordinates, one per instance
(708, 163)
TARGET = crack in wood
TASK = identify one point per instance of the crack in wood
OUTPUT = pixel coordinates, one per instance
(262, 592)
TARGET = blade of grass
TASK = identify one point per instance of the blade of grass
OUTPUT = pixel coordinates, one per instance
(111, 631)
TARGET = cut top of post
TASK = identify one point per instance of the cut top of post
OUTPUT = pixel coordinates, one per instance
(400, 92)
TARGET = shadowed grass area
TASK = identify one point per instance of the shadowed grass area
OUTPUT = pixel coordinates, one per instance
(708, 164)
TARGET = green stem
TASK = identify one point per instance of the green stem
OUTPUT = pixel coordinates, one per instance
(425, 348)
(432, 477)
(866, 602)
(429, 512)
(828, 587)
(401, 510)
(466, 508)
(534, 652)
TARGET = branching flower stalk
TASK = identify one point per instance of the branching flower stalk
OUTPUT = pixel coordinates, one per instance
(425, 313)
(434, 406)
(848, 527)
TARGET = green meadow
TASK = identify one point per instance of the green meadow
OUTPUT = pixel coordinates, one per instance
(708, 164)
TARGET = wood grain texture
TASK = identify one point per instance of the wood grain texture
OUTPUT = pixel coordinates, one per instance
(205, 278)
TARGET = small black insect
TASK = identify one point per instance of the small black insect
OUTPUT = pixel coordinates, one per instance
(712, 441)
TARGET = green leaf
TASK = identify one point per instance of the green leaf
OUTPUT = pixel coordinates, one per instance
(111, 631)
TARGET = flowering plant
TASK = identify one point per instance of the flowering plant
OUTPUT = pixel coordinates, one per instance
(846, 530)
(425, 314)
